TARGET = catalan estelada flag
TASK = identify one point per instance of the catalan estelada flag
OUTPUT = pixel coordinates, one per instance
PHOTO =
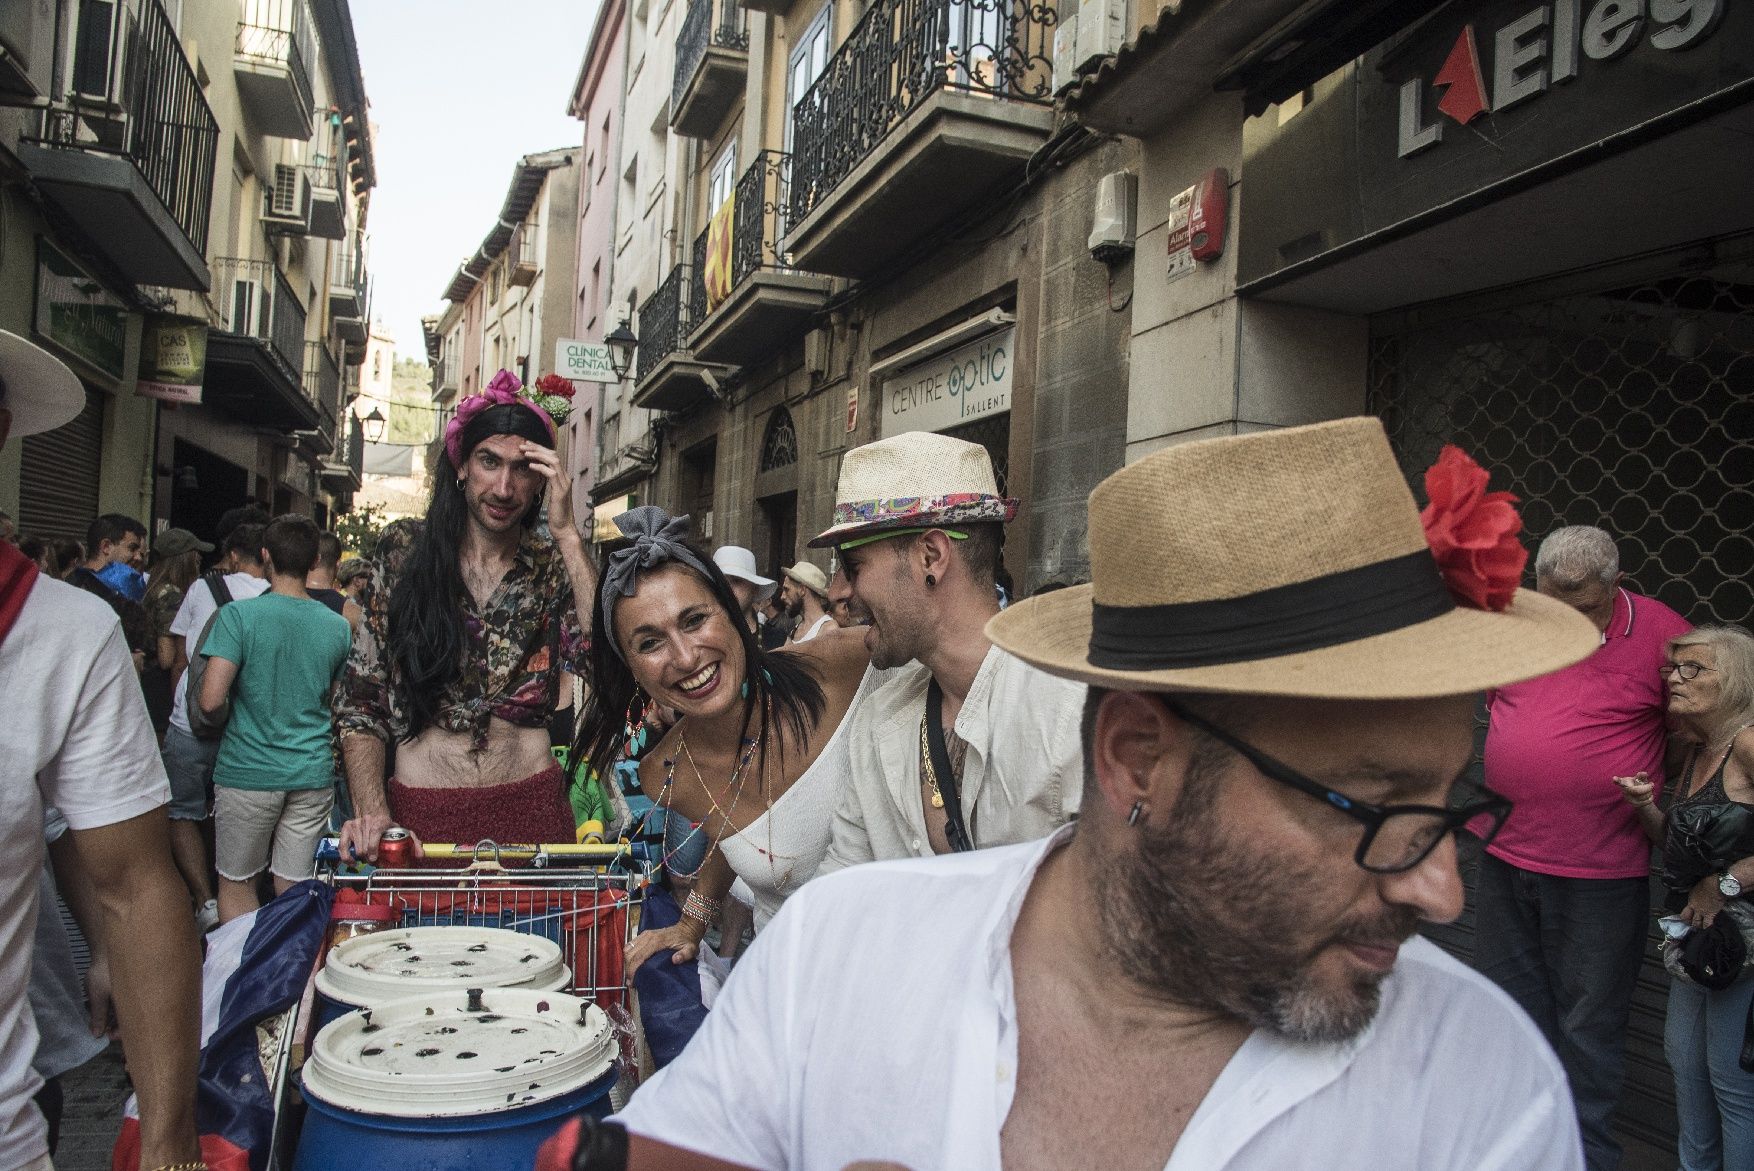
(718, 253)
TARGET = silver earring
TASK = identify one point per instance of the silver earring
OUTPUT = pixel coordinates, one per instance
(1135, 813)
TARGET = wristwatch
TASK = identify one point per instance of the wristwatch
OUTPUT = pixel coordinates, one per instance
(1728, 886)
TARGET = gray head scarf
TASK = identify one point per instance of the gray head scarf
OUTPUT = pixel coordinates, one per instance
(657, 538)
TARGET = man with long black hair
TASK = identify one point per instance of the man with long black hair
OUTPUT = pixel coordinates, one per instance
(443, 723)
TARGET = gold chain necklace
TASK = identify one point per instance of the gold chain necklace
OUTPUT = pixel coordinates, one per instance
(926, 763)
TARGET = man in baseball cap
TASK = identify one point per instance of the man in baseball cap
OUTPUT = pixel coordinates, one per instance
(78, 738)
(1216, 966)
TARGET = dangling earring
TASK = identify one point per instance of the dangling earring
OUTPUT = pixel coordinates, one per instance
(1134, 814)
(634, 729)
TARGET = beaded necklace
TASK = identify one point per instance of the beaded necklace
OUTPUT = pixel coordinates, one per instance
(737, 779)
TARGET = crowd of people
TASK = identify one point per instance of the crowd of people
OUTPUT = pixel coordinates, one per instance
(1124, 873)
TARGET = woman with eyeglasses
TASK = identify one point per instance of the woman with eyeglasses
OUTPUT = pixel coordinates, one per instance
(1710, 674)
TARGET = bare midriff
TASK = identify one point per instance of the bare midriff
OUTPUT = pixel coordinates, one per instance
(437, 759)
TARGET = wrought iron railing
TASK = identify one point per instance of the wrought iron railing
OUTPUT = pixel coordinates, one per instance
(699, 31)
(167, 129)
(256, 301)
(347, 271)
(898, 55)
(758, 227)
(355, 449)
(277, 32)
(323, 380)
(663, 323)
(324, 174)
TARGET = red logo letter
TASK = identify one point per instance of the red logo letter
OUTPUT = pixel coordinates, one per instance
(1465, 96)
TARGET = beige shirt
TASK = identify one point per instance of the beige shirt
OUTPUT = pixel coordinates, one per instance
(1021, 779)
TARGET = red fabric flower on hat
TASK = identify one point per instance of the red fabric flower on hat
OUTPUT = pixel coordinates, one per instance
(1472, 532)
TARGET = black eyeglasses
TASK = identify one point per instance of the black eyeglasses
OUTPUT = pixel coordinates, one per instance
(1686, 669)
(1396, 837)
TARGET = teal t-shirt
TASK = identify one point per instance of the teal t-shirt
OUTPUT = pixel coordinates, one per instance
(288, 652)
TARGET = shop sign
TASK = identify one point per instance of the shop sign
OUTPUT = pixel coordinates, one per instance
(949, 389)
(173, 359)
(584, 361)
(78, 314)
(1547, 45)
(852, 408)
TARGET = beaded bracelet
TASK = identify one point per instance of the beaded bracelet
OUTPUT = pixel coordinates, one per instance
(704, 911)
(194, 1165)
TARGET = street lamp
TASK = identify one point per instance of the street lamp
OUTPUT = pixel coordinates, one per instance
(621, 345)
(374, 425)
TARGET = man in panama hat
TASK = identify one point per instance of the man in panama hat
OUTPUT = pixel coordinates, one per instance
(77, 738)
(804, 596)
(1216, 966)
(964, 745)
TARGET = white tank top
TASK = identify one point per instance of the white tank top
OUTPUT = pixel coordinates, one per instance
(779, 851)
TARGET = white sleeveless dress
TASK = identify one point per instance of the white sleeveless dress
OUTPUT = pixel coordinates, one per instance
(779, 851)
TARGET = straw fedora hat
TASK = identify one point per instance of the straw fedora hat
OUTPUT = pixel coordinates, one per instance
(37, 387)
(810, 577)
(1289, 563)
(917, 479)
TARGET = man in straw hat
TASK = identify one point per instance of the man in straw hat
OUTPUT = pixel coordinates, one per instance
(1215, 966)
(77, 738)
(804, 594)
(964, 745)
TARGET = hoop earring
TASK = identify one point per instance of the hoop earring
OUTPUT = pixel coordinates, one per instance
(634, 730)
(1135, 813)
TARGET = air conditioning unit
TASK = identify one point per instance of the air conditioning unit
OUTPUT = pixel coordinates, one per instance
(286, 203)
(1112, 227)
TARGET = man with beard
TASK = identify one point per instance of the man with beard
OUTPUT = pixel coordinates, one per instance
(803, 594)
(1214, 968)
(964, 746)
(481, 623)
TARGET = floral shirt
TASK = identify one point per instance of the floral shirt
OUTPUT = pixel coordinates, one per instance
(518, 643)
(161, 610)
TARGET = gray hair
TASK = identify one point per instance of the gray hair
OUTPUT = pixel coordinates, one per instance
(1577, 554)
(1734, 649)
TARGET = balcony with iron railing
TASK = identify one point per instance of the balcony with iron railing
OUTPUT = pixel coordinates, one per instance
(666, 375)
(322, 378)
(133, 169)
(712, 59)
(256, 357)
(344, 475)
(925, 110)
(327, 184)
(347, 287)
(746, 298)
(522, 262)
(271, 62)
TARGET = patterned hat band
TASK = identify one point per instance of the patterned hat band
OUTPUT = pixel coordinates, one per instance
(965, 507)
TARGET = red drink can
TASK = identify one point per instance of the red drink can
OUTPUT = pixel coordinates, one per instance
(394, 852)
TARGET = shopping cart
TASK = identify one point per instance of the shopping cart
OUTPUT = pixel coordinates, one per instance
(585, 898)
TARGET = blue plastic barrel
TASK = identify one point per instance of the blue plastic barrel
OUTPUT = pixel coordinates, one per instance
(334, 1137)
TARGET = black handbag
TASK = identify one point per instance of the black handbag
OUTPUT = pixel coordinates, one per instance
(1704, 840)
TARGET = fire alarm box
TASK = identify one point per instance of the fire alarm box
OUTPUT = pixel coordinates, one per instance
(1196, 222)
(1207, 215)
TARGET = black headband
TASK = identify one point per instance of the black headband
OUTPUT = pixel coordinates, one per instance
(1303, 616)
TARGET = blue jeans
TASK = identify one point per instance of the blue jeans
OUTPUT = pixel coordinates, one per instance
(1714, 1098)
(1568, 951)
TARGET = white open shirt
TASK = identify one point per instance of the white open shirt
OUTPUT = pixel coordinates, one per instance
(873, 1019)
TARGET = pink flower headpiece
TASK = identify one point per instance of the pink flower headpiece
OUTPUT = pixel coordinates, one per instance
(504, 390)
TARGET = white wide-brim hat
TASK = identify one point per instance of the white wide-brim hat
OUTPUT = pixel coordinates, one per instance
(40, 391)
(1290, 563)
(917, 479)
(736, 561)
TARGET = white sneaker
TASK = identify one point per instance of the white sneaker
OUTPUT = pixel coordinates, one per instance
(207, 918)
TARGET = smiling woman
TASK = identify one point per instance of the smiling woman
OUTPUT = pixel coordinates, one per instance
(754, 756)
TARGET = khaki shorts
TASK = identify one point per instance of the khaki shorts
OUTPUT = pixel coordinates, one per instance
(268, 829)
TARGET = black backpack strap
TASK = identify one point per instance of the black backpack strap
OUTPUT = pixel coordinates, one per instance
(955, 830)
(216, 585)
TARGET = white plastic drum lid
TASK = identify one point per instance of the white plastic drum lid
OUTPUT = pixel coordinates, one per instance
(445, 1055)
(388, 965)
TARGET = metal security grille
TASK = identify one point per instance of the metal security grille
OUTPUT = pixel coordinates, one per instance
(994, 434)
(58, 475)
(1631, 408)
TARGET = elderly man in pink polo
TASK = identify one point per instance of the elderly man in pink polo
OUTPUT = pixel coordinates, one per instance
(1563, 896)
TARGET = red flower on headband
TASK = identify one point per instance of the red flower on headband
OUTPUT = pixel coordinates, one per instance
(1472, 532)
(555, 384)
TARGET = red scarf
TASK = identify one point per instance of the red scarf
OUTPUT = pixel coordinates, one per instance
(18, 574)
